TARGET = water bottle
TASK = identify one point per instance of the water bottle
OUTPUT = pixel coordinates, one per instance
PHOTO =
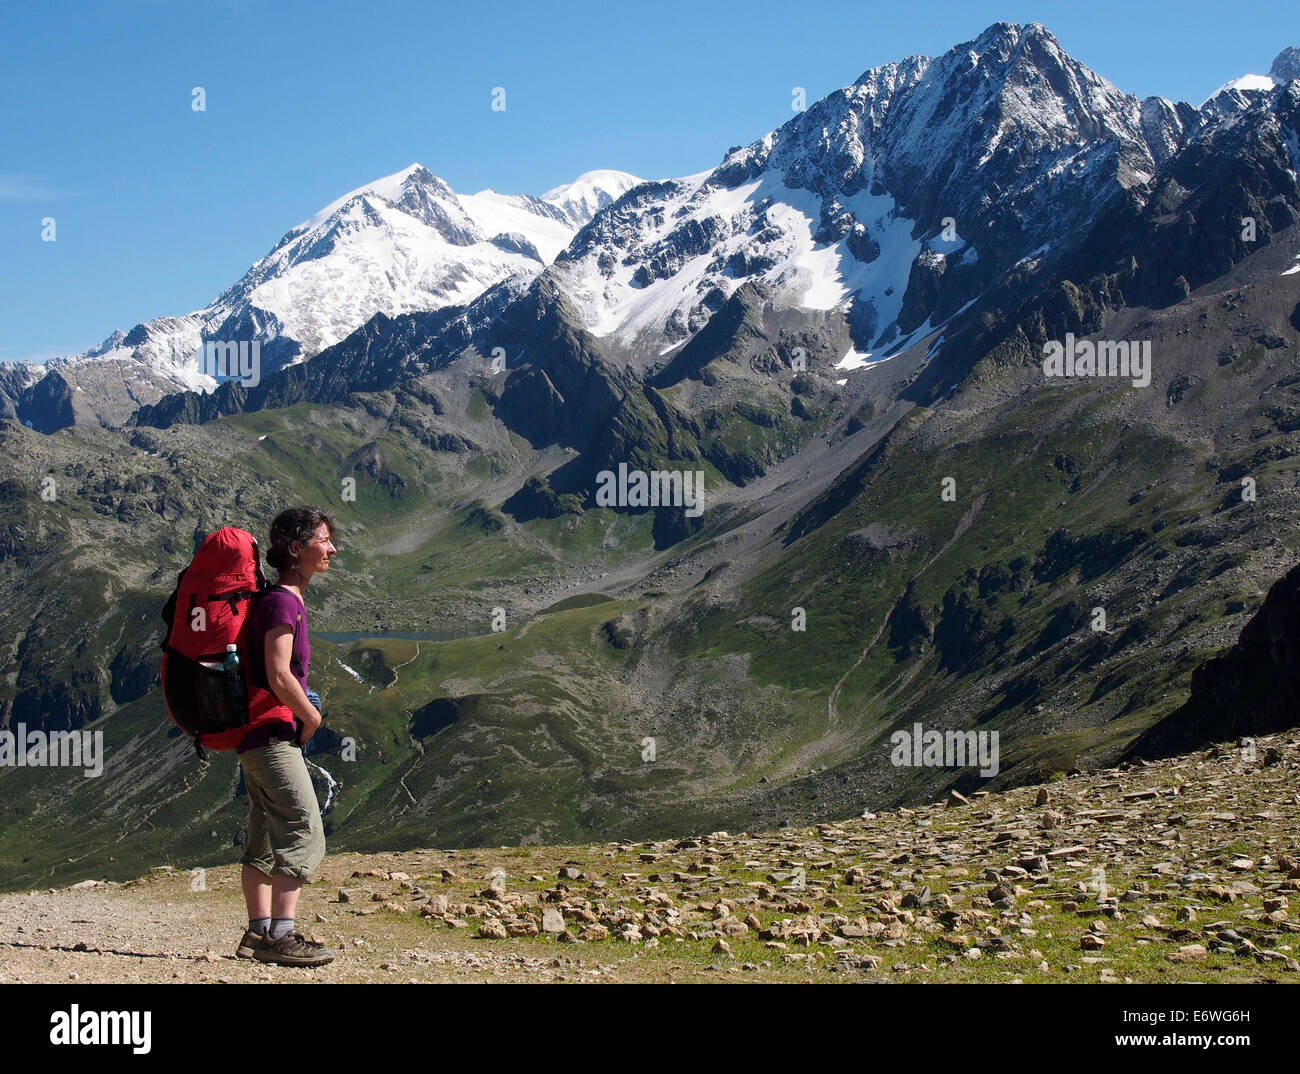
(235, 690)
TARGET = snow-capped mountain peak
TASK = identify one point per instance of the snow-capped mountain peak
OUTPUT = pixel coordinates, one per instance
(391, 188)
(1249, 90)
(581, 199)
(897, 198)
(400, 244)
(1244, 84)
(887, 208)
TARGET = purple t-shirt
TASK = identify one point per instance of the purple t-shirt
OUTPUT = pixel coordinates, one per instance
(274, 607)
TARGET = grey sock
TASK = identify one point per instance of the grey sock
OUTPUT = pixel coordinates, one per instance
(280, 926)
(259, 924)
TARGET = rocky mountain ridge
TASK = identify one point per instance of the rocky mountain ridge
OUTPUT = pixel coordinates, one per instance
(404, 243)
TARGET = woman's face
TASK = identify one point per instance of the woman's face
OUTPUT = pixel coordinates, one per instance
(314, 557)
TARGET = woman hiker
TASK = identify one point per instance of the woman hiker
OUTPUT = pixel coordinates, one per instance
(286, 839)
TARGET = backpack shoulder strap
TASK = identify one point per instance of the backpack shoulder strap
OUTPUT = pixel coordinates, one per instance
(169, 611)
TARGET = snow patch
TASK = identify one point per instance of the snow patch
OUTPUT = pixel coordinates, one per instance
(1292, 140)
(855, 359)
(1244, 84)
(946, 247)
(505, 213)
(818, 276)
(1034, 256)
(349, 670)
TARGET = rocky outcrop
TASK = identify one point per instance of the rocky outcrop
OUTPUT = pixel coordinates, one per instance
(1252, 689)
(536, 499)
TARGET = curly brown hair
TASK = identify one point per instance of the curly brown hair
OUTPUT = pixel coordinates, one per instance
(294, 524)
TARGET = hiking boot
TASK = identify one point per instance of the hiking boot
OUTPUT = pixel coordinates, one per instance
(250, 942)
(292, 949)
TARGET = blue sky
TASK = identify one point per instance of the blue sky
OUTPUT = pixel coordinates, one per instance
(158, 208)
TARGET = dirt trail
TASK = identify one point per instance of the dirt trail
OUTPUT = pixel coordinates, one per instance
(157, 929)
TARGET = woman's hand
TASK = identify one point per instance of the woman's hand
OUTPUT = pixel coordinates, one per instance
(305, 731)
(303, 738)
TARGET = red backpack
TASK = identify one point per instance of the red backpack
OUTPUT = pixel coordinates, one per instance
(206, 612)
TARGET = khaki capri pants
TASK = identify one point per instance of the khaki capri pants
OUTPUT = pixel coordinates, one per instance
(286, 836)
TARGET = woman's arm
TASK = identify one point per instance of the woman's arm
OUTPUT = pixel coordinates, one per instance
(284, 684)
